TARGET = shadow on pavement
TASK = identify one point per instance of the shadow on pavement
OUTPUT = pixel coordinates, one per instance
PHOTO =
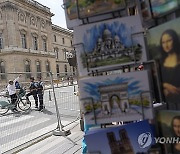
(45, 111)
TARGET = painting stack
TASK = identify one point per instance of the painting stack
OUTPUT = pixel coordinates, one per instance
(128, 63)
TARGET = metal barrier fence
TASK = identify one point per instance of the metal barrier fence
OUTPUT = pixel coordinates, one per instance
(23, 128)
(68, 102)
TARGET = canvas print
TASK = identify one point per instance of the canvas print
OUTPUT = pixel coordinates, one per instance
(144, 8)
(71, 9)
(114, 98)
(88, 8)
(109, 43)
(169, 126)
(71, 13)
(163, 45)
(160, 7)
(128, 139)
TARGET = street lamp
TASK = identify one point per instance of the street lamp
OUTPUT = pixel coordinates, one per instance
(71, 57)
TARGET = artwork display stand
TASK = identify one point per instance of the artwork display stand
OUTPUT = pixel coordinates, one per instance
(148, 21)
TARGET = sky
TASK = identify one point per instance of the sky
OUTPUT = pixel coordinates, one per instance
(55, 7)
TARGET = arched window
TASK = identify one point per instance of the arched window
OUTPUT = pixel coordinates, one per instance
(57, 70)
(2, 70)
(74, 69)
(55, 38)
(1, 41)
(48, 68)
(35, 41)
(65, 69)
(23, 41)
(38, 68)
(28, 68)
(44, 41)
(56, 50)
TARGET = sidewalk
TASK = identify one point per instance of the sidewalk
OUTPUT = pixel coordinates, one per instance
(72, 144)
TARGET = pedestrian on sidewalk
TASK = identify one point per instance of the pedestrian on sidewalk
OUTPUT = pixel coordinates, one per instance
(40, 92)
(33, 91)
(11, 87)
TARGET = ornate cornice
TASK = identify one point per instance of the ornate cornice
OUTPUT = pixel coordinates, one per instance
(63, 30)
(8, 6)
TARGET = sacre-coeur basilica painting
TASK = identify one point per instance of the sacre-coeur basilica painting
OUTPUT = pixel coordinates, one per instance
(109, 43)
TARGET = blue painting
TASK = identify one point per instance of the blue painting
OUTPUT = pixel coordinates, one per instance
(124, 97)
(109, 43)
(132, 138)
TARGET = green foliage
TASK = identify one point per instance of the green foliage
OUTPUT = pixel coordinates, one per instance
(137, 102)
(118, 1)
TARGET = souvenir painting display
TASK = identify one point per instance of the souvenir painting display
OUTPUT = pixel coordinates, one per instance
(161, 7)
(163, 45)
(132, 138)
(169, 127)
(71, 13)
(109, 43)
(88, 8)
(144, 8)
(114, 98)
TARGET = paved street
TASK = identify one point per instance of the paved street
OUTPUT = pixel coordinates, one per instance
(18, 129)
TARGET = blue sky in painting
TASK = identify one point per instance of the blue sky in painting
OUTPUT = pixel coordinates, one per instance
(123, 30)
(92, 88)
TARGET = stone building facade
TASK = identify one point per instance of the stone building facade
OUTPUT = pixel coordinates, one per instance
(29, 42)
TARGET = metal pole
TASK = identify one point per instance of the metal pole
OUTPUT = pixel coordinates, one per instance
(50, 96)
(59, 131)
(55, 101)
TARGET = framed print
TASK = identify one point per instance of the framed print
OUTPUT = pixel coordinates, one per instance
(161, 7)
(164, 44)
(169, 125)
(131, 138)
(114, 98)
(71, 14)
(103, 45)
(97, 7)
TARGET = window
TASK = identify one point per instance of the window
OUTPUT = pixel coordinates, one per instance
(55, 38)
(65, 69)
(57, 52)
(74, 70)
(1, 41)
(38, 68)
(2, 70)
(63, 41)
(71, 42)
(132, 11)
(47, 68)
(57, 70)
(23, 41)
(44, 44)
(27, 68)
(35, 43)
(64, 53)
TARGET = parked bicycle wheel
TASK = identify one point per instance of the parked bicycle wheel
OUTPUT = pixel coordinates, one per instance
(4, 107)
(24, 104)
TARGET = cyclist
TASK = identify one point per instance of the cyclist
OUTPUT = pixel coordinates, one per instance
(12, 92)
(33, 91)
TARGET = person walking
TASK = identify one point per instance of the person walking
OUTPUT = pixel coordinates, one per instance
(33, 91)
(11, 87)
(40, 92)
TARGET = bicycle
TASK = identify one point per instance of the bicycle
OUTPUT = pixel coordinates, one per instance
(22, 102)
